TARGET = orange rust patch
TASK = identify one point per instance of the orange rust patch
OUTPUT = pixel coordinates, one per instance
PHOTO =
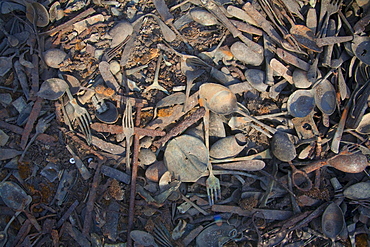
(154, 52)
(165, 112)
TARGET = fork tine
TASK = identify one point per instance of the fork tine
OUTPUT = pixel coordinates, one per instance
(87, 120)
(87, 125)
(218, 189)
(111, 53)
(84, 123)
(210, 196)
(128, 131)
(48, 118)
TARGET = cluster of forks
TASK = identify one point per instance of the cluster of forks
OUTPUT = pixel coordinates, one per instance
(78, 113)
(74, 112)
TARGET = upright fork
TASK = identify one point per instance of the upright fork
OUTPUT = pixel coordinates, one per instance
(128, 131)
(82, 116)
(332, 7)
(212, 183)
(213, 186)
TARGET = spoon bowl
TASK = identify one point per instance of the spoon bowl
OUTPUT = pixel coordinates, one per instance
(300, 79)
(364, 125)
(228, 147)
(203, 17)
(361, 47)
(282, 147)
(15, 198)
(325, 99)
(54, 57)
(120, 32)
(218, 98)
(301, 103)
(221, 100)
(52, 89)
(332, 221)
(37, 13)
(256, 78)
(6, 63)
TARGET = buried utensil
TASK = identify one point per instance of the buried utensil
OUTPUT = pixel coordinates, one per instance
(283, 148)
(4, 233)
(143, 238)
(349, 163)
(228, 147)
(300, 79)
(332, 221)
(364, 125)
(186, 157)
(215, 235)
(6, 63)
(191, 75)
(15, 198)
(302, 102)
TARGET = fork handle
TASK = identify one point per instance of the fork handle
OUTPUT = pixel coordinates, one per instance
(69, 94)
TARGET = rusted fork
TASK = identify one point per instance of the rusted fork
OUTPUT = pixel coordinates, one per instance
(332, 7)
(41, 126)
(111, 53)
(212, 183)
(82, 116)
(128, 131)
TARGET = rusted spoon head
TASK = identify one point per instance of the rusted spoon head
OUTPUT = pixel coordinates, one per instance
(282, 147)
(354, 163)
(305, 37)
(203, 17)
(186, 157)
(324, 94)
(120, 32)
(218, 98)
(361, 48)
(54, 57)
(6, 63)
(300, 79)
(14, 196)
(332, 221)
(301, 103)
(358, 191)
(143, 238)
(109, 116)
(52, 89)
(256, 78)
(364, 125)
(36, 12)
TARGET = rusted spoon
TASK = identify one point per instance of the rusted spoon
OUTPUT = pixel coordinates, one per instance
(353, 163)
(221, 100)
(325, 99)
